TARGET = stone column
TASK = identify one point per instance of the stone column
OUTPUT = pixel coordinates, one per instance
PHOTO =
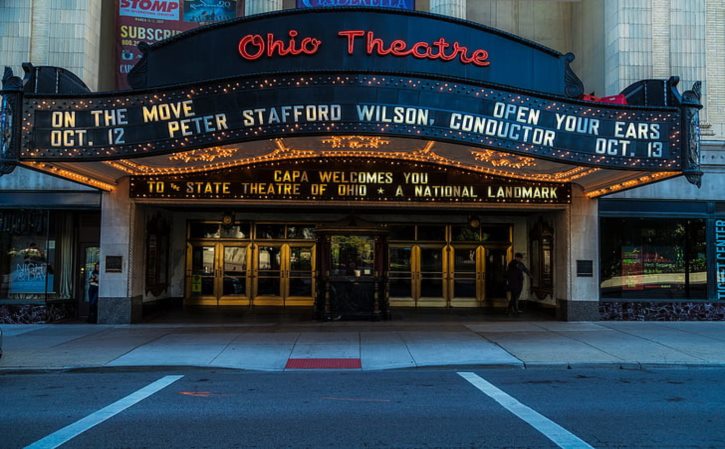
(252, 7)
(453, 8)
(120, 294)
(577, 238)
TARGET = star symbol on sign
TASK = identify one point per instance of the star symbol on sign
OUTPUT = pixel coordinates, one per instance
(381, 191)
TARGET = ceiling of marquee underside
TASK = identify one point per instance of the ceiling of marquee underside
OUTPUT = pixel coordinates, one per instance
(595, 181)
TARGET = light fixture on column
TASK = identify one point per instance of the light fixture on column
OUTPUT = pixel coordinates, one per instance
(228, 219)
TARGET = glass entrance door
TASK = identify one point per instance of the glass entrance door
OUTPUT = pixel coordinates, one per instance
(218, 274)
(466, 276)
(268, 275)
(402, 274)
(299, 282)
(437, 276)
(418, 275)
(495, 285)
(284, 274)
(233, 288)
(432, 264)
(202, 275)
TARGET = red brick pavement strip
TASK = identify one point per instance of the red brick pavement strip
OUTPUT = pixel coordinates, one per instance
(323, 364)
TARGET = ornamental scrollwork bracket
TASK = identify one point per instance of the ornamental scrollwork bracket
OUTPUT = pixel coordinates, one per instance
(10, 101)
(690, 104)
(573, 86)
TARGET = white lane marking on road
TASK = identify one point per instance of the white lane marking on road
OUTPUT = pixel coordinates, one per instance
(71, 431)
(551, 430)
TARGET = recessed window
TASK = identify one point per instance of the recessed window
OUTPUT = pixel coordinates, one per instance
(266, 231)
(653, 258)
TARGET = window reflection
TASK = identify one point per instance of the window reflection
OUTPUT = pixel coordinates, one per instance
(238, 231)
(651, 258)
(352, 255)
(270, 231)
(269, 258)
(465, 233)
(203, 230)
(300, 232)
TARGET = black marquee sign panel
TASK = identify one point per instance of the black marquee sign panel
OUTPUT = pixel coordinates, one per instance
(356, 71)
(284, 106)
(341, 180)
(355, 40)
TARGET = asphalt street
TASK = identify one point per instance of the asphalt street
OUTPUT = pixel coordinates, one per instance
(535, 408)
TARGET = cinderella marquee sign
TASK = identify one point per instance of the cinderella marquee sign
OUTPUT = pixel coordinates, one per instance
(352, 71)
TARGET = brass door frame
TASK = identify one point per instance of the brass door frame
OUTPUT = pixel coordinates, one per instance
(414, 273)
(217, 298)
(431, 301)
(230, 300)
(288, 298)
(210, 300)
(448, 276)
(479, 278)
(284, 299)
(267, 300)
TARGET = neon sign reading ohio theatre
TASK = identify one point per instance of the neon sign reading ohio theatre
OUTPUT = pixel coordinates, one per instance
(256, 46)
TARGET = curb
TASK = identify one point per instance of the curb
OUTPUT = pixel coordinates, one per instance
(118, 369)
(453, 367)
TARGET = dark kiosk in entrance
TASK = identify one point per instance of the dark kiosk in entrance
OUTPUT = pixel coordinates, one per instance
(353, 270)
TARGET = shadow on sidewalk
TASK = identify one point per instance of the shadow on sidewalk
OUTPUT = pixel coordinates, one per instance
(177, 314)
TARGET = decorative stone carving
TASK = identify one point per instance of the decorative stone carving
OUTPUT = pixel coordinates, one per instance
(662, 311)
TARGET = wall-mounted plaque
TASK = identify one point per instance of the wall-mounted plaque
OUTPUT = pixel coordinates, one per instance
(114, 264)
(585, 268)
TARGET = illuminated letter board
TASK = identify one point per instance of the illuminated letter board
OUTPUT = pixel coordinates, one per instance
(169, 120)
(376, 180)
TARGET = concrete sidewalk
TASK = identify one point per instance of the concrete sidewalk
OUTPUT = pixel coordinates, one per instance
(378, 346)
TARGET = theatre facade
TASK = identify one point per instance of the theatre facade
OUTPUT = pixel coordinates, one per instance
(352, 162)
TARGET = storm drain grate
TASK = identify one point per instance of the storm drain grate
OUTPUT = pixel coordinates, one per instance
(323, 364)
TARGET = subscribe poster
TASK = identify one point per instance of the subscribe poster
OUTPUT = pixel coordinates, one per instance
(152, 21)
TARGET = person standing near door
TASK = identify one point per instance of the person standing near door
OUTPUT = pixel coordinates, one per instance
(515, 281)
(93, 295)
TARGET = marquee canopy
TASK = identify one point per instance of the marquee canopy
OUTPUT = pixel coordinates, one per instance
(350, 84)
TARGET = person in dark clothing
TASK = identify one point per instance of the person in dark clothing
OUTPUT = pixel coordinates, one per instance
(93, 295)
(515, 281)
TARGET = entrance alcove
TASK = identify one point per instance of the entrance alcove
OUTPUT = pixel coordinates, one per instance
(353, 270)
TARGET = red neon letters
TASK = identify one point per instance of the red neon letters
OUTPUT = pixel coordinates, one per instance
(420, 50)
(254, 46)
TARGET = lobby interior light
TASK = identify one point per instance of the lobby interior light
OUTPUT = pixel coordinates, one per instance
(227, 220)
